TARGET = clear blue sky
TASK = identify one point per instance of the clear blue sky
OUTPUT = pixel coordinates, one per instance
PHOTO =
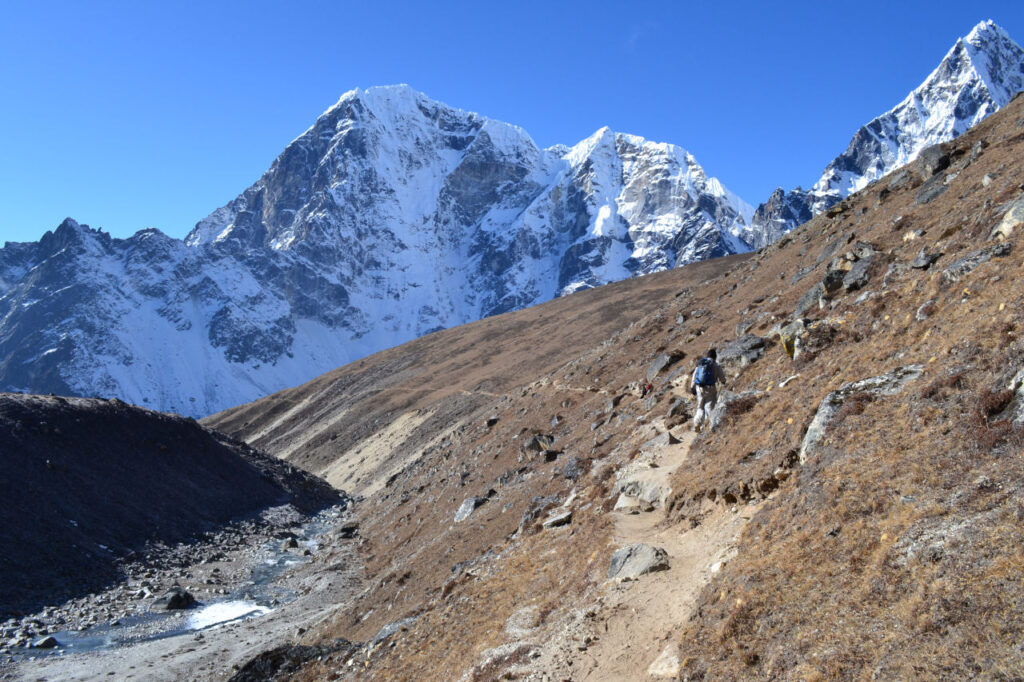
(126, 115)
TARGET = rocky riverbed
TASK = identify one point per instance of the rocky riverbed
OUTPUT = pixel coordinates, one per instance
(253, 585)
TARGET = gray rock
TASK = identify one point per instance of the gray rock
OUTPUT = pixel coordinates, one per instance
(924, 260)
(176, 598)
(833, 280)
(726, 399)
(931, 190)
(858, 276)
(742, 351)
(538, 443)
(931, 161)
(48, 642)
(660, 441)
(861, 250)
(899, 180)
(789, 333)
(884, 384)
(574, 469)
(962, 266)
(799, 275)
(392, 628)
(1016, 407)
(613, 402)
(644, 489)
(977, 149)
(562, 517)
(833, 247)
(1013, 219)
(662, 361)
(538, 505)
(809, 300)
(636, 560)
(678, 408)
(468, 506)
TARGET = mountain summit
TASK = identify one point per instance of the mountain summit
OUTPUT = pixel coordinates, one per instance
(393, 216)
(388, 177)
(978, 76)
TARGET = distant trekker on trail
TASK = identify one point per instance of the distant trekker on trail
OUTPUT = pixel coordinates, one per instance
(707, 373)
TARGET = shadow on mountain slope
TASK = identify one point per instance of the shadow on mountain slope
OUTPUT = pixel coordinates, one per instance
(87, 483)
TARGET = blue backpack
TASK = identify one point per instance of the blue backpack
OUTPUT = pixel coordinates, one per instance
(705, 372)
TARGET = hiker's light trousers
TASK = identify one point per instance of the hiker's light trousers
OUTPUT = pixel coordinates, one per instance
(707, 398)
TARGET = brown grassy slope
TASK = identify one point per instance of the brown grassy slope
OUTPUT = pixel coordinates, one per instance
(893, 551)
(444, 376)
(440, 390)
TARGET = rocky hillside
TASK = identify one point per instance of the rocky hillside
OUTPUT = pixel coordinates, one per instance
(855, 513)
(393, 216)
(978, 76)
(88, 483)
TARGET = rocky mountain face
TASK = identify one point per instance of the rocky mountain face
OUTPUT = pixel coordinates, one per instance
(391, 217)
(978, 76)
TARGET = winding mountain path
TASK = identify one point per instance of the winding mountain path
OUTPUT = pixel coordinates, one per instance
(637, 627)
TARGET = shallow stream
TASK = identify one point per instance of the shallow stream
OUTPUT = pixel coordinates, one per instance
(257, 596)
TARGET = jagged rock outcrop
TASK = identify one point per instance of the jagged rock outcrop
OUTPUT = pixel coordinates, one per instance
(889, 383)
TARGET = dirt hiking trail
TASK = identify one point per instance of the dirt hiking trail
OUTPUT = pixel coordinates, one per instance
(638, 623)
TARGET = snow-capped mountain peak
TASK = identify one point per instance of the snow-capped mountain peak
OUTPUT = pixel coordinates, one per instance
(393, 215)
(978, 76)
(996, 60)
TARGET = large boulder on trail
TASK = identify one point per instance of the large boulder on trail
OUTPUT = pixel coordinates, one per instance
(636, 560)
(176, 598)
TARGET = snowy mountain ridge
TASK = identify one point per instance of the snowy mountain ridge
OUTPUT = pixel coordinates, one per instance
(392, 216)
(978, 76)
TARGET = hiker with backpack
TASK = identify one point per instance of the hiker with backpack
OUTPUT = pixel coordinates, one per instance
(706, 375)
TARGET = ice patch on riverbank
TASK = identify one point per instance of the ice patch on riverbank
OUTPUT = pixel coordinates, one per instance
(224, 612)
